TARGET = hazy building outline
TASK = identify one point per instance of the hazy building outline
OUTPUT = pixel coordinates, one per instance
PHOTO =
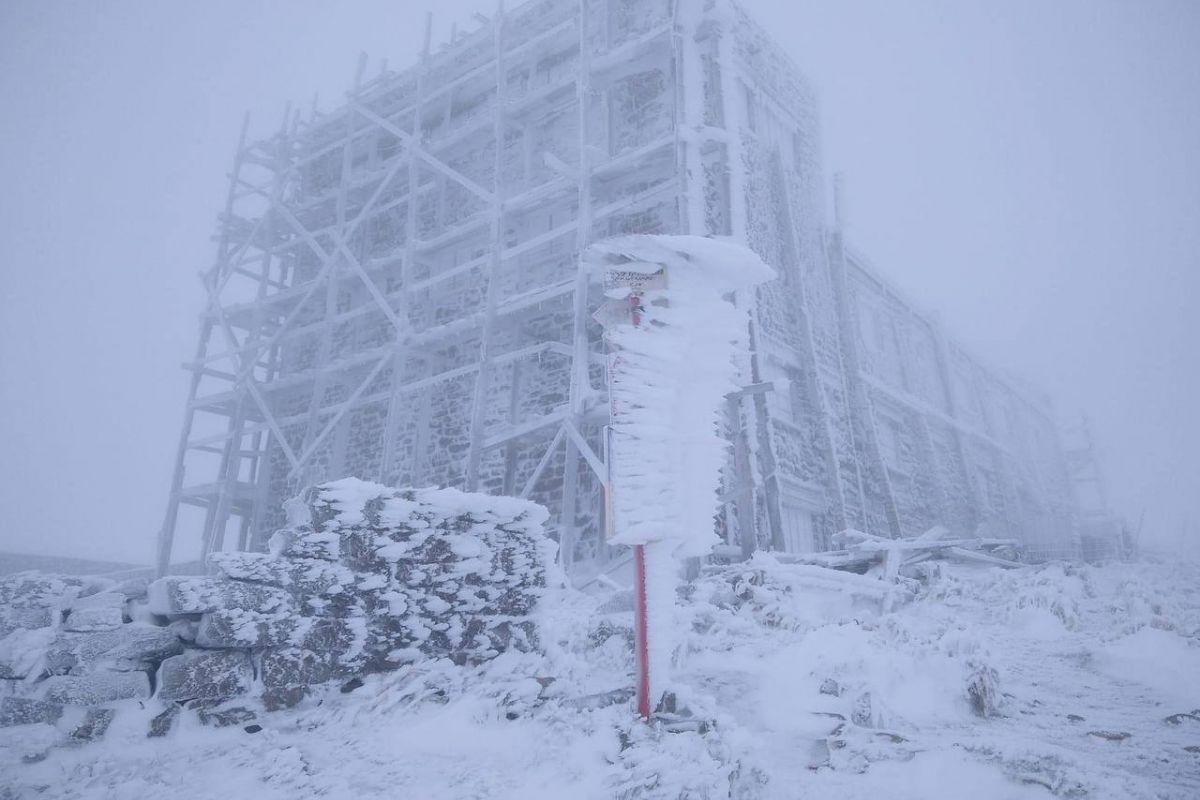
(448, 340)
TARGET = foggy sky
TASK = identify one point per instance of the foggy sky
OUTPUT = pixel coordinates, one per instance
(1031, 170)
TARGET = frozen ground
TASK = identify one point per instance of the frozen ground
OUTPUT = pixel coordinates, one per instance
(1095, 672)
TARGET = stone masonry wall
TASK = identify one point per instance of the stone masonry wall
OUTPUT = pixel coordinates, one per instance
(365, 579)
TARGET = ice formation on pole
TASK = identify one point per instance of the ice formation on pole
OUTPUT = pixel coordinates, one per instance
(668, 382)
(676, 339)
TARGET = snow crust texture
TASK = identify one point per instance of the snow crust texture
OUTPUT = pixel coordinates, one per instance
(788, 688)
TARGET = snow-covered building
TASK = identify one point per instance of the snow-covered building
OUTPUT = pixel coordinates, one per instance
(397, 296)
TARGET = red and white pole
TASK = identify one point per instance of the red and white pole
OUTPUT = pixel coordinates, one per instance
(641, 620)
(660, 419)
(641, 629)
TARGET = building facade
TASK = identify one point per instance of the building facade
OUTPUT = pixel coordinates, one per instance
(397, 296)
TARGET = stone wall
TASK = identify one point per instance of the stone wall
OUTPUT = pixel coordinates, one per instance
(364, 579)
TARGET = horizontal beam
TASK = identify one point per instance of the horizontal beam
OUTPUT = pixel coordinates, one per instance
(406, 388)
(525, 429)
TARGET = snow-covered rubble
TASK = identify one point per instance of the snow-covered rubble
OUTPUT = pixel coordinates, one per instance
(788, 687)
(365, 579)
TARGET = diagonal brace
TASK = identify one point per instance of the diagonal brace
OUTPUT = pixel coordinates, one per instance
(407, 139)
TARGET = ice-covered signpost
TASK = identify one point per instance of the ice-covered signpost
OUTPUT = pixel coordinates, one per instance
(675, 339)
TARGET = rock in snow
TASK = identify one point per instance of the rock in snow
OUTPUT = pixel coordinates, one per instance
(27, 711)
(214, 675)
(130, 647)
(97, 688)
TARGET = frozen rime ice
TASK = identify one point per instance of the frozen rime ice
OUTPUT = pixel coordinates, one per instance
(668, 378)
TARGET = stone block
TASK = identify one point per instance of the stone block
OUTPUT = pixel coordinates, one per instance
(97, 688)
(221, 714)
(131, 647)
(295, 667)
(983, 690)
(471, 639)
(37, 590)
(305, 543)
(279, 699)
(23, 651)
(14, 619)
(516, 602)
(435, 550)
(360, 550)
(316, 506)
(335, 635)
(163, 722)
(27, 711)
(201, 675)
(862, 713)
(385, 634)
(99, 600)
(94, 726)
(99, 618)
(133, 588)
(317, 578)
(183, 595)
(239, 628)
(519, 635)
(253, 567)
(185, 629)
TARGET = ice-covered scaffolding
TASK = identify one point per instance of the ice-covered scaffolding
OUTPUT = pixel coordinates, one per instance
(397, 297)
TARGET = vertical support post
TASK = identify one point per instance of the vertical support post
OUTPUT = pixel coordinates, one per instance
(567, 533)
(743, 474)
(831, 251)
(861, 411)
(580, 386)
(475, 453)
(332, 287)
(214, 537)
(260, 442)
(813, 374)
(231, 459)
(387, 465)
(406, 265)
(689, 117)
(166, 535)
(953, 408)
(761, 459)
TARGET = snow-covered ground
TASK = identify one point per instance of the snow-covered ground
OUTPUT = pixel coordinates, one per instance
(801, 692)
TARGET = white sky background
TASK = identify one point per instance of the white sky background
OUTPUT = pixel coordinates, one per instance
(1030, 169)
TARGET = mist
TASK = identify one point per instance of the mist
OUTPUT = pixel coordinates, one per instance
(601, 409)
(1029, 171)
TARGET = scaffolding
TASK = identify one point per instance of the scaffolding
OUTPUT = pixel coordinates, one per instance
(397, 295)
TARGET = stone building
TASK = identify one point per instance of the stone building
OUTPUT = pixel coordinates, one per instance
(397, 296)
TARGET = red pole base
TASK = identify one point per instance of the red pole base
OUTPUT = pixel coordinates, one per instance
(641, 626)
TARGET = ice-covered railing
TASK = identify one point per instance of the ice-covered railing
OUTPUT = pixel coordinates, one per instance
(678, 338)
